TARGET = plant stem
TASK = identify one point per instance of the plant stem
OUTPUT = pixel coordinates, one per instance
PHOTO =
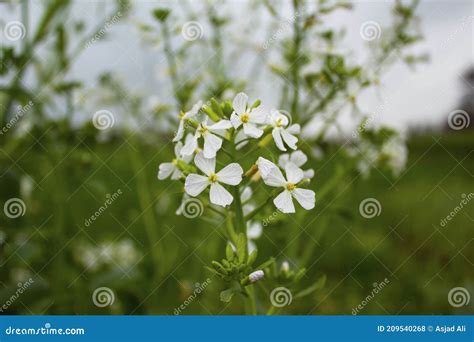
(295, 66)
(251, 303)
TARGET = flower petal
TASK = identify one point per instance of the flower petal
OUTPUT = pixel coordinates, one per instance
(221, 125)
(190, 146)
(258, 115)
(274, 178)
(165, 170)
(180, 132)
(195, 184)
(289, 139)
(231, 174)
(293, 173)
(219, 195)
(194, 110)
(177, 149)
(254, 230)
(298, 158)
(246, 194)
(240, 103)
(284, 202)
(276, 133)
(235, 120)
(294, 129)
(176, 174)
(252, 131)
(306, 198)
(264, 166)
(206, 165)
(283, 159)
(212, 144)
(308, 173)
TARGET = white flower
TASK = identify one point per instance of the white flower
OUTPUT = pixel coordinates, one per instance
(281, 133)
(172, 169)
(183, 117)
(272, 176)
(249, 118)
(212, 143)
(396, 152)
(231, 175)
(256, 276)
(254, 231)
(299, 159)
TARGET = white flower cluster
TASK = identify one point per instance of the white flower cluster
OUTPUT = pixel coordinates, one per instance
(392, 154)
(246, 123)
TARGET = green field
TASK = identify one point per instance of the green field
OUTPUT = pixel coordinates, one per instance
(65, 177)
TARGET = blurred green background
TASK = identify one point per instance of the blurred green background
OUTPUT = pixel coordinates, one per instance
(64, 169)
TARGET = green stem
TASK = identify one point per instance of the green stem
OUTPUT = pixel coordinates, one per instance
(251, 305)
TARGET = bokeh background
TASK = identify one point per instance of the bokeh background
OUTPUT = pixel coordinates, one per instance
(64, 61)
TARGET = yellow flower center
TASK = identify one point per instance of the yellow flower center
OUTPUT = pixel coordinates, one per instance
(245, 118)
(181, 115)
(174, 162)
(202, 129)
(279, 122)
(212, 178)
(290, 186)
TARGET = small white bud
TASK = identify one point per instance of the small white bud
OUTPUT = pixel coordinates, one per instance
(256, 276)
(285, 266)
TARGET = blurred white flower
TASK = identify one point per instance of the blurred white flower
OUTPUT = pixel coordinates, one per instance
(212, 142)
(396, 153)
(299, 159)
(281, 133)
(172, 169)
(254, 231)
(185, 116)
(231, 175)
(121, 254)
(272, 176)
(249, 118)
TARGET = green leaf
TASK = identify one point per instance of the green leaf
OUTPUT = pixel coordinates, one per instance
(252, 258)
(216, 108)
(316, 286)
(229, 252)
(226, 295)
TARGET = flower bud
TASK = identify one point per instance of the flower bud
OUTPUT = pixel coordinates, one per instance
(256, 276)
